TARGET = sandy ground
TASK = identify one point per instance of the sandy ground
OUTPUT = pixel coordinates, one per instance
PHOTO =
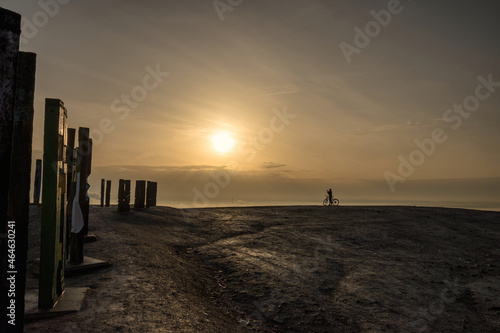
(288, 269)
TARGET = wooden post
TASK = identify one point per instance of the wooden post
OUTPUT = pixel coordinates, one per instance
(10, 30)
(108, 193)
(103, 182)
(127, 196)
(154, 194)
(124, 195)
(38, 182)
(20, 175)
(82, 165)
(51, 282)
(71, 163)
(151, 194)
(140, 193)
(87, 185)
(121, 194)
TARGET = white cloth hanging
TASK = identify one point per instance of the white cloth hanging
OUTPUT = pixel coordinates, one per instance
(77, 216)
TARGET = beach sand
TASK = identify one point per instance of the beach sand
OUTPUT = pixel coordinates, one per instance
(287, 269)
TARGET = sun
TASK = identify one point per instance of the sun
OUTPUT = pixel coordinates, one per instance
(223, 142)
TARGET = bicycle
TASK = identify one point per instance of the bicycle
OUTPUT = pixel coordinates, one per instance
(326, 202)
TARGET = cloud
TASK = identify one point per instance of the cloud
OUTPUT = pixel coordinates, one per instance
(280, 90)
(272, 165)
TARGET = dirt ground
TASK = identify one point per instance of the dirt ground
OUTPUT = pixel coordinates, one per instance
(288, 269)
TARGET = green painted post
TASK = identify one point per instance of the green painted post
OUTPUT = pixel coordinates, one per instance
(10, 30)
(51, 282)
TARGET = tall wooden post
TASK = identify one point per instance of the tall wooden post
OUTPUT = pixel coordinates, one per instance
(108, 193)
(71, 163)
(155, 194)
(103, 182)
(51, 282)
(124, 195)
(87, 186)
(38, 182)
(70, 160)
(148, 194)
(10, 30)
(121, 194)
(151, 194)
(82, 166)
(140, 194)
(19, 196)
(127, 196)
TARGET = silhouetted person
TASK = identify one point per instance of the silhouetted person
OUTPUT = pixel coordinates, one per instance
(330, 195)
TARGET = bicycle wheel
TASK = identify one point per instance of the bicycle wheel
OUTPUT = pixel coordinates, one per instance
(325, 202)
(336, 202)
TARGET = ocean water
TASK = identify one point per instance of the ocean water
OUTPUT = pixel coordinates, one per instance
(477, 205)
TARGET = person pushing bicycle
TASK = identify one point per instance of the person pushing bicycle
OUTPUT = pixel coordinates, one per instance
(330, 195)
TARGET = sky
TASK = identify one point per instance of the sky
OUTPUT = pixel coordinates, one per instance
(383, 101)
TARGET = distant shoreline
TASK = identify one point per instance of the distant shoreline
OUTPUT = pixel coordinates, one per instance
(257, 206)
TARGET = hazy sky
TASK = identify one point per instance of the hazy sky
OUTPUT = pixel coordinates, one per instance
(354, 103)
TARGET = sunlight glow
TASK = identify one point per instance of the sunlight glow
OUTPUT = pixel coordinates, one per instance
(223, 142)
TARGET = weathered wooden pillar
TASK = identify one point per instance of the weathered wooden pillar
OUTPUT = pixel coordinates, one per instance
(70, 161)
(10, 30)
(127, 196)
(87, 186)
(155, 194)
(108, 193)
(19, 197)
(82, 165)
(51, 281)
(140, 194)
(103, 182)
(124, 195)
(121, 194)
(38, 182)
(151, 194)
(71, 167)
(148, 194)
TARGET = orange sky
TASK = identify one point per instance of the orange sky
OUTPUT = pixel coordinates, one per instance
(155, 80)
